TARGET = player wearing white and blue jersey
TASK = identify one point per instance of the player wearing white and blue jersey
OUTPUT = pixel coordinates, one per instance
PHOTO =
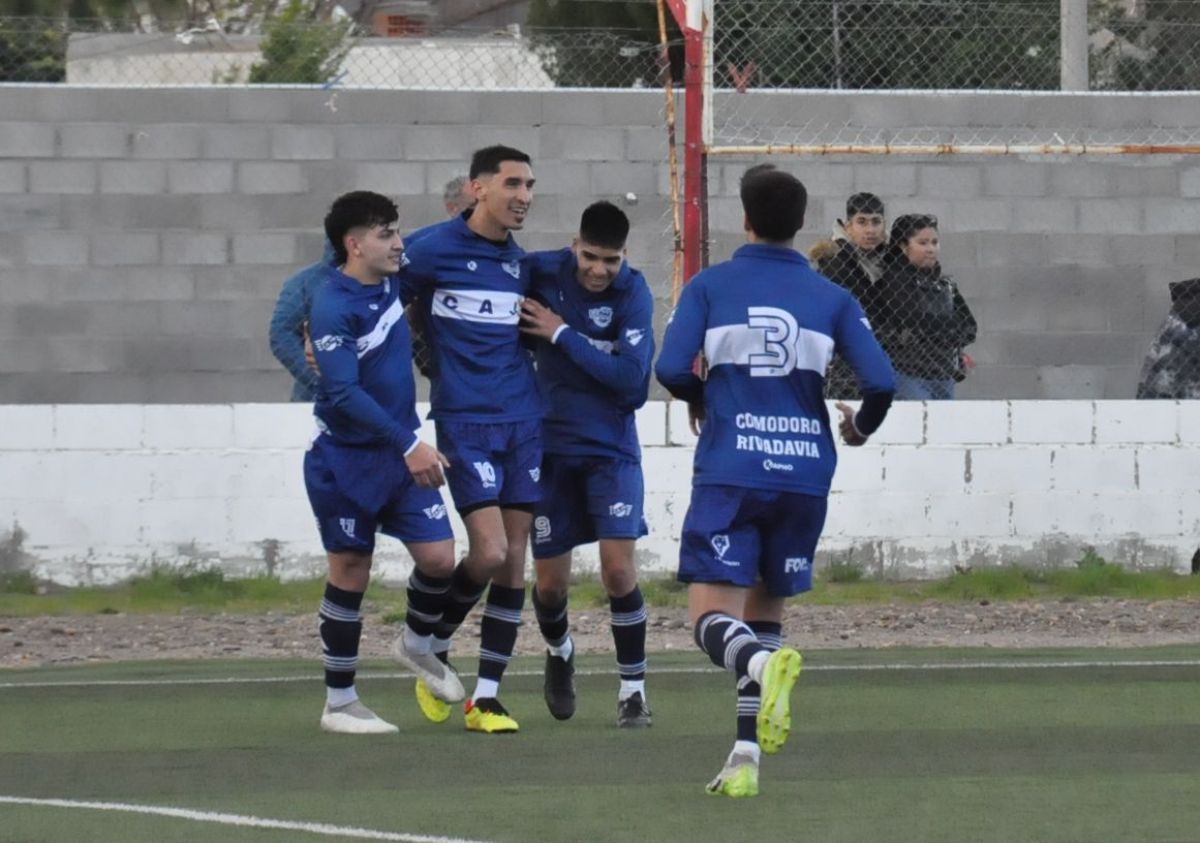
(366, 469)
(596, 320)
(468, 279)
(766, 326)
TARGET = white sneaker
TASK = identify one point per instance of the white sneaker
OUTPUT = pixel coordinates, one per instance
(440, 679)
(355, 719)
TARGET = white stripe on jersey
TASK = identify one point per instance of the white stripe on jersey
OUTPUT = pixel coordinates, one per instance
(383, 327)
(768, 352)
(491, 306)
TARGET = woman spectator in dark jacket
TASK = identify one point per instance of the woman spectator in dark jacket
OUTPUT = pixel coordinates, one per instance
(919, 315)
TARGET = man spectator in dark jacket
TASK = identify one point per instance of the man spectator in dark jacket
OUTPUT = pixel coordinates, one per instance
(854, 259)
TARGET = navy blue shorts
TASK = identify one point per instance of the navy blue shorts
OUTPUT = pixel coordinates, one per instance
(357, 491)
(585, 499)
(492, 464)
(740, 536)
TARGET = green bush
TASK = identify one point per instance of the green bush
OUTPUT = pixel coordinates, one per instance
(299, 50)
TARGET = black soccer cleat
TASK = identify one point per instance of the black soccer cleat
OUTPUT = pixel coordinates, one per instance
(633, 713)
(560, 686)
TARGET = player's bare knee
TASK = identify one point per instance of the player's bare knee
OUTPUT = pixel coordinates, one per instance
(618, 580)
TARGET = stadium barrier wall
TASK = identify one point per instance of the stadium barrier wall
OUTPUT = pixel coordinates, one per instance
(98, 493)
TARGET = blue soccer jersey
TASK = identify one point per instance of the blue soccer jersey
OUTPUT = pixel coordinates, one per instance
(596, 372)
(469, 289)
(363, 348)
(768, 326)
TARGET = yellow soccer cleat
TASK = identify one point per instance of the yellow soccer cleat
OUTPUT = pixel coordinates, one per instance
(775, 716)
(435, 710)
(487, 715)
(737, 779)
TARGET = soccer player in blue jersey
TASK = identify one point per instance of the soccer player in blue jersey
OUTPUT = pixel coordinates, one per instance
(468, 277)
(366, 469)
(594, 369)
(766, 326)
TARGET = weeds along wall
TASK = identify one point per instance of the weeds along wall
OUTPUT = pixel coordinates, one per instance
(145, 233)
(94, 494)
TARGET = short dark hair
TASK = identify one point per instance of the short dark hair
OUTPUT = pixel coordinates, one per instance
(904, 227)
(604, 224)
(487, 161)
(863, 203)
(358, 209)
(774, 202)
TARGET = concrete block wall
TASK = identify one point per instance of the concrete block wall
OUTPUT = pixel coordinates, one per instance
(101, 492)
(144, 234)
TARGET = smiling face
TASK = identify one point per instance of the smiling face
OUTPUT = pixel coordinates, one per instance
(597, 265)
(503, 198)
(374, 251)
(922, 248)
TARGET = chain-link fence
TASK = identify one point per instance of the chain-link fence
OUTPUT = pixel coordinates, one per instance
(334, 55)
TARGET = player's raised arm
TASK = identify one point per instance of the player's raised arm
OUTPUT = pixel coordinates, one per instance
(684, 339)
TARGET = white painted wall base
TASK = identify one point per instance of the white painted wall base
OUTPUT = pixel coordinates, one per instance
(101, 492)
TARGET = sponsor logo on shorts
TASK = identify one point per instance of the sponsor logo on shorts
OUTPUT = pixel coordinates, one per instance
(720, 543)
(373, 306)
(602, 316)
(347, 525)
(435, 512)
(771, 465)
(541, 530)
(621, 509)
(487, 474)
(796, 564)
(327, 343)
(535, 474)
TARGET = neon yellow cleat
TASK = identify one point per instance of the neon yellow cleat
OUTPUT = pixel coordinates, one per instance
(775, 716)
(435, 710)
(737, 779)
(487, 715)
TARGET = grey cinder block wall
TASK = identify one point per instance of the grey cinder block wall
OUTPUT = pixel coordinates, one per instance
(144, 234)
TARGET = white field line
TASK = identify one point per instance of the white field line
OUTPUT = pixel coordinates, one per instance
(235, 820)
(820, 668)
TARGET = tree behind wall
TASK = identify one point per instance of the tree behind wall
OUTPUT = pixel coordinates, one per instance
(299, 49)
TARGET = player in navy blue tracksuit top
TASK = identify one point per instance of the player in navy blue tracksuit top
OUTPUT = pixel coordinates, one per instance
(366, 469)
(596, 322)
(468, 278)
(767, 326)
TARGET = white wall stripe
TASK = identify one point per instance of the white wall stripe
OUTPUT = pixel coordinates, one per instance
(663, 671)
(243, 821)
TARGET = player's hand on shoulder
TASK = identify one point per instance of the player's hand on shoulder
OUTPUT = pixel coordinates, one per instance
(426, 464)
(539, 320)
(850, 434)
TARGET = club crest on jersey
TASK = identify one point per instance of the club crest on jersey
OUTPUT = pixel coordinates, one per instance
(602, 316)
(634, 335)
(347, 525)
(327, 343)
(435, 512)
(513, 268)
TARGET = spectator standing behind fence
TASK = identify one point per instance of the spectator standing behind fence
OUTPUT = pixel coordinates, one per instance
(295, 302)
(854, 259)
(919, 315)
(1172, 367)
